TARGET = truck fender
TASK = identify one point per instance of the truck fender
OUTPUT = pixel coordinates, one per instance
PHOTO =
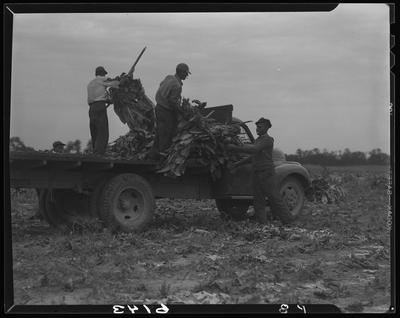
(295, 170)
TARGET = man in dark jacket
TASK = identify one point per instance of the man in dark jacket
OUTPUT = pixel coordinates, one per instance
(168, 103)
(263, 174)
(98, 102)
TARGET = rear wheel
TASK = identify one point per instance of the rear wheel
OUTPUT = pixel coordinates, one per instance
(65, 207)
(234, 209)
(293, 196)
(42, 205)
(127, 203)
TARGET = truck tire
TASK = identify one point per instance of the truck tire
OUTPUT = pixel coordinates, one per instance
(234, 209)
(50, 212)
(42, 205)
(293, 195)
(127, 203)
(66, 207)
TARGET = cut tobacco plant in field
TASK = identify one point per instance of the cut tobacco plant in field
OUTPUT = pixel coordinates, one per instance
(326, 189)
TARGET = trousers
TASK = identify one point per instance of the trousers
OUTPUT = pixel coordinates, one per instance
(264, 186)
(167, 125)
(98, 123)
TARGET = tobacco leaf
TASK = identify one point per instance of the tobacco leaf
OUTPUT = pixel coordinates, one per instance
(131, 104)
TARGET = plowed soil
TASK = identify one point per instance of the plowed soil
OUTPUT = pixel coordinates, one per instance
(334, 253)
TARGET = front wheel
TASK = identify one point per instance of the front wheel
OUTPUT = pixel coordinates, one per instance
(292, 192)
(127, 203)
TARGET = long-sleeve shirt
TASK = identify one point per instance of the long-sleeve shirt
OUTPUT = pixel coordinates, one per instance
(97, 89)
(169, 93)
(262, 159)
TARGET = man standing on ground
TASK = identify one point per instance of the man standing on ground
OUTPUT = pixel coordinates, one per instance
(98, 102)
(168, 102)
(263, 174)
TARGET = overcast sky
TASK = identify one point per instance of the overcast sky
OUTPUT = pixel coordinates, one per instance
(322, 78)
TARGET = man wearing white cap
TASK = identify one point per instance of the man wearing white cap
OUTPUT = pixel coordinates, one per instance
(98, 100)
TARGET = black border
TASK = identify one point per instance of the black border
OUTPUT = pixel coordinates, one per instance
(86, 7)
(14, 8)
(7, 54)
(394, 130)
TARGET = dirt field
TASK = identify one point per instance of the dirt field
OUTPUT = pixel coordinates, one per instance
(334, 253)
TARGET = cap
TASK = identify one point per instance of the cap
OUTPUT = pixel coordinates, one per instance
(263, 120)
(100, 70)
(182, 67)
(58, 143)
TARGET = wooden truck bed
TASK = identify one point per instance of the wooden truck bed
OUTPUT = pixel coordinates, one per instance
(84, 172)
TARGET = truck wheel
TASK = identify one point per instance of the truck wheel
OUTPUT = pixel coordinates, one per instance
(234, 209)
(127, 203)
(66, 207)
(42, 205)
(50, 211)
(293, 196)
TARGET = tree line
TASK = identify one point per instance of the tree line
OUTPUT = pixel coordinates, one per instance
(16, 144)
(314, 156)
(340, 158)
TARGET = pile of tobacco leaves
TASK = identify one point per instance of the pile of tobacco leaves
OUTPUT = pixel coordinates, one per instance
(198, 137)
(134, 145)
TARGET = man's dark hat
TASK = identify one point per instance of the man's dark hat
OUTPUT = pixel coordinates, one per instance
(101, 70)
(58, 143)
(182, 67)
(263, 120)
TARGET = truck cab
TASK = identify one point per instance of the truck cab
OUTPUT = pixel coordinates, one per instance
(233, 192)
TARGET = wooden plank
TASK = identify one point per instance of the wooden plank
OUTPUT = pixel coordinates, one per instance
(27, 156)
(27, 164)
(99, 166)
(42, 164)
(76, 166)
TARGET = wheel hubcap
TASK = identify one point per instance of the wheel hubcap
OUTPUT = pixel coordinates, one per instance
(290, 197)
(129, 205)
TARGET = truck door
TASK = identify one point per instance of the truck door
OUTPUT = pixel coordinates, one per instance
(239, 181)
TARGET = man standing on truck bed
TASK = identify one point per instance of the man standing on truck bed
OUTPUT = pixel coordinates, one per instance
(168, 99)
(263, 173)
(98, 102)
